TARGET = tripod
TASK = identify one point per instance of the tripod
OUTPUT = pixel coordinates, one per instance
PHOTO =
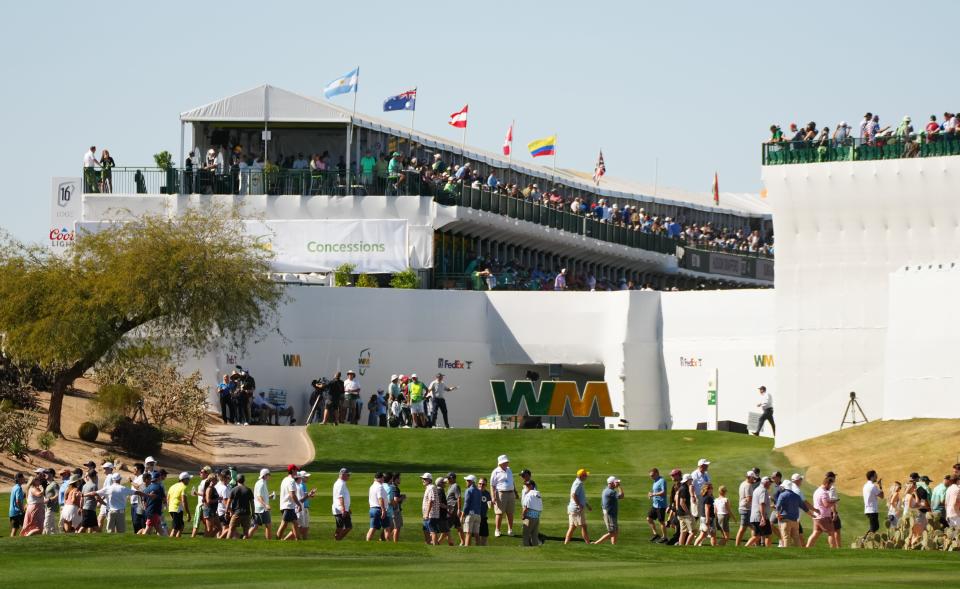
(850, 413)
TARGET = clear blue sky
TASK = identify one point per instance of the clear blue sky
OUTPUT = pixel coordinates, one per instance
(696, 84)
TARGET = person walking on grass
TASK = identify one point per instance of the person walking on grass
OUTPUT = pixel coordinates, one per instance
(504, 494)
(199, 525)
(33, 517)
(261, 505)
(88, 509)
(722, 504)
(760, 514)
(454, 506)
(872, 493)
(684, 508)
(658, 506)
(51, 502)
(116, 495)
(532, 508)
(305, 496)
(239, 509)
(395, 501)
(443, 533)
(744, 503)
(708, 516)
(107, 479)
(486, 501)
(430, 509)
(289, 504)
(610, 502)
(471, 514)
(823, 520)
(341, 505)
(153, 496)
(178, 504)
(377, 500)
(72, 499)
(577, 508)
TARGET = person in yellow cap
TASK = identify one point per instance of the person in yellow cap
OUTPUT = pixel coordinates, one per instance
(575, 509)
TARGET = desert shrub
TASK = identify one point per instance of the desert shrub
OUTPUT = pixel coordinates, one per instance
(88, 431)
(117, 399)
(18, 386)
(15, 429)
(46, 440)
(138, 439)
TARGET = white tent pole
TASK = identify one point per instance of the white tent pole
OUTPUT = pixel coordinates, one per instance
(182, 161)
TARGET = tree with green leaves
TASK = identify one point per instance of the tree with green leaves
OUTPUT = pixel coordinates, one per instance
(192, 281)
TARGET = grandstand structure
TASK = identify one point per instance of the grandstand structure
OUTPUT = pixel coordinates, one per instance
(453, 231)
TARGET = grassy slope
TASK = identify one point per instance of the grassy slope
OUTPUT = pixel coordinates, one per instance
(553, 457)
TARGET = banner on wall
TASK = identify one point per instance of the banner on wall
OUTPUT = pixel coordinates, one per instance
(320, 245)
(65, 210)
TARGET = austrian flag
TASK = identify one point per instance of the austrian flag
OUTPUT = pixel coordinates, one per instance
(459, 118)
(508, 140)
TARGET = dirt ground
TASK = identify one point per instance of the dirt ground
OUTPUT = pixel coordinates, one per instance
(893, 448)
(71, 451)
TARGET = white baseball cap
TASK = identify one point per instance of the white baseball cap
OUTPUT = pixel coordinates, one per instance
(702, 462)
(751, 474)
(149, 460)
(184, 476)
(264, 472)
(796, 477)
(414, 375)
(502, 458)
(107, 465)
(684, 478)
(612, 479)
(426, 476)
(303, 474)
(393, 377)
(117, 477)
(470, 478)
(765, 480)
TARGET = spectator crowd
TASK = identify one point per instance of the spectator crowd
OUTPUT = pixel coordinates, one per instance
(692, 511)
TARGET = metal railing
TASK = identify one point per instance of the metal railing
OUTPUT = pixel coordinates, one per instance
(854, 149)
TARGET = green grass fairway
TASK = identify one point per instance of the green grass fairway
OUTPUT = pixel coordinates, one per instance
(553, 456)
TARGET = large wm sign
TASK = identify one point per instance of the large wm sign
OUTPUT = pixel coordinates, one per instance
(554, 397)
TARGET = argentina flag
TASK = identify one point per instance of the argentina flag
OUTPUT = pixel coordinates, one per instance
(347, 83)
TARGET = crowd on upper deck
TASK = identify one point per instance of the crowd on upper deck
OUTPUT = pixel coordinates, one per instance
(871, 132)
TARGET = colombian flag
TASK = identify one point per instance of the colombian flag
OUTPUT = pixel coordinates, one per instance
(545, 146)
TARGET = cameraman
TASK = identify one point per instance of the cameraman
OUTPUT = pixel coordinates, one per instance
(335, 393)
(317, 398)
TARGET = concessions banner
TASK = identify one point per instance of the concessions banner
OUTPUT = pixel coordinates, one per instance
(372, 245)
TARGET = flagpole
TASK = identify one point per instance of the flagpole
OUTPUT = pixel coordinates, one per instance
(512, 131)
(413, 113)
(356, 89)
(463, 145)
(556, 140)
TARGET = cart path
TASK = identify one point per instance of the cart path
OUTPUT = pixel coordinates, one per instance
(252, 447)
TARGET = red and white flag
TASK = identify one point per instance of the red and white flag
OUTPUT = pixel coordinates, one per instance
(459, 118)
(716, 189)
(508, 140)
(599, 170)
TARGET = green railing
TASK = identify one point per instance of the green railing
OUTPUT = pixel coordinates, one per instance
(800, 152)
(132, 180)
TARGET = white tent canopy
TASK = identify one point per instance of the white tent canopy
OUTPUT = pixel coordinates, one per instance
(271, 104)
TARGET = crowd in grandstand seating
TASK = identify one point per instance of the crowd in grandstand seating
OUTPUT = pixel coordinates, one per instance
(871, 132)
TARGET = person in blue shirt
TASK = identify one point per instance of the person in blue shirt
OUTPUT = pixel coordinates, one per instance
(153, 496)
(658, 506)
(225, 391)
(610, 501)
(17, 505)
(788, 507)
(472, 511)
(492, 181)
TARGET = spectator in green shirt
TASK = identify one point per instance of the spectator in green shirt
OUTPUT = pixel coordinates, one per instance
(368, 165)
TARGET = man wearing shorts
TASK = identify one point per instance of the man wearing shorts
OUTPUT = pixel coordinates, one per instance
(760, 514)
(472, 511)
(115, 496)
(239, 508)
(504, 494)
(454, 505)
(377, 501)
(178, 504)
(417, 391)
(88, 509)
(610, 501)
(745, 500)
(17, 505)
(289, 504)
(577, 506)
(430, 509)
(684, 508)
(152, 496)
(532, 504)
(261, 505)
(658, 506)
(872, 493)
(486, 500)
(341, 505)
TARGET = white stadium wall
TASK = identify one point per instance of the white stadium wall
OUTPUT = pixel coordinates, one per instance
(842, 229)
(724, 334)
(922, 372)
(474, 337)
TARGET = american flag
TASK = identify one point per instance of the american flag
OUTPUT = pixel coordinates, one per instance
(600, 170)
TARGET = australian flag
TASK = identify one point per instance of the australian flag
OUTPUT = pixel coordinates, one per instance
(403, 101)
